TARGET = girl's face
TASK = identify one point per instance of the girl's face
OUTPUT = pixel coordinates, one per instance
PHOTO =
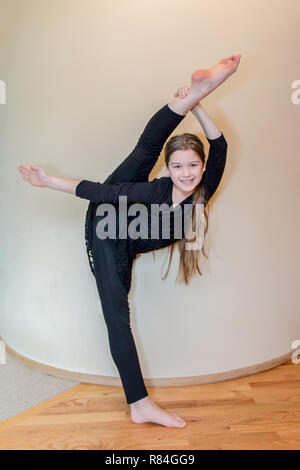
(186, 169)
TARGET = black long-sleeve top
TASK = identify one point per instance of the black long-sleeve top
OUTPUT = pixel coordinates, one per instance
(157, 191)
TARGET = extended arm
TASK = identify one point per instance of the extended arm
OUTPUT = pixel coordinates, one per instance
(217, 152)
(142, 192)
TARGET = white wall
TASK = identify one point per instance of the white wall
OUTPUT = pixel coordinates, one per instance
(83, 78)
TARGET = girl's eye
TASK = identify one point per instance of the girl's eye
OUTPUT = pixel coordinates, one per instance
(178, 166)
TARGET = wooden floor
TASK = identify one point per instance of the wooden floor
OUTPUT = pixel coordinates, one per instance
(261, 411)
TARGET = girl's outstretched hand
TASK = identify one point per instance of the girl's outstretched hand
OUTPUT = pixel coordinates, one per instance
(34, 175)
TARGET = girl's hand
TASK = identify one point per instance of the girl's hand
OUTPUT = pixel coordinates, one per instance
(182, 92)
(34, 175)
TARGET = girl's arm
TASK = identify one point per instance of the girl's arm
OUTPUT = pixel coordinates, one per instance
(207, 124)
(215, 165)
(38, 177)
(142, 192)
(63, 184)
(217, 155)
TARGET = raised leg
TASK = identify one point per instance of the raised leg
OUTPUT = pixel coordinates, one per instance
(139, 164)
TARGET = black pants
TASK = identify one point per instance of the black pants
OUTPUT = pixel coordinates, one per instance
(112, 290)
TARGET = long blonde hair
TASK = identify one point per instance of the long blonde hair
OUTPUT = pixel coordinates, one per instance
(188, 264)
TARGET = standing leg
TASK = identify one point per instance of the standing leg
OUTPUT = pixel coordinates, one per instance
(114, 299)
(113, 293)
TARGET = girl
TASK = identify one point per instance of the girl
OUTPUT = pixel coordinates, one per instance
(191, 181)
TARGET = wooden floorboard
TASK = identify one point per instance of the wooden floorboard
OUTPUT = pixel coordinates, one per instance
(261, 411)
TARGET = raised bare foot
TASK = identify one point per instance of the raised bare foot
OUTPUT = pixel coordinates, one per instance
(204, 82)
(146, 411)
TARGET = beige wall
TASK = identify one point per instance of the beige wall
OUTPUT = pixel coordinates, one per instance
(83, 78)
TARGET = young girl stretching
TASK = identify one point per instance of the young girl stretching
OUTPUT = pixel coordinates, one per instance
(192, 180)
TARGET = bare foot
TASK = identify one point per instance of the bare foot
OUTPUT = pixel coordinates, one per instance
(146, 411)
(204, 82)
(208, 80)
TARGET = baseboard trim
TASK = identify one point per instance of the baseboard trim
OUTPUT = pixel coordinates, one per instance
(150, 382)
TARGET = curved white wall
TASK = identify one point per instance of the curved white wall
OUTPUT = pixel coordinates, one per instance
(82, 79)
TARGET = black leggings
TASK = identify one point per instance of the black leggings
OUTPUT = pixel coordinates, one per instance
(113, 291)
